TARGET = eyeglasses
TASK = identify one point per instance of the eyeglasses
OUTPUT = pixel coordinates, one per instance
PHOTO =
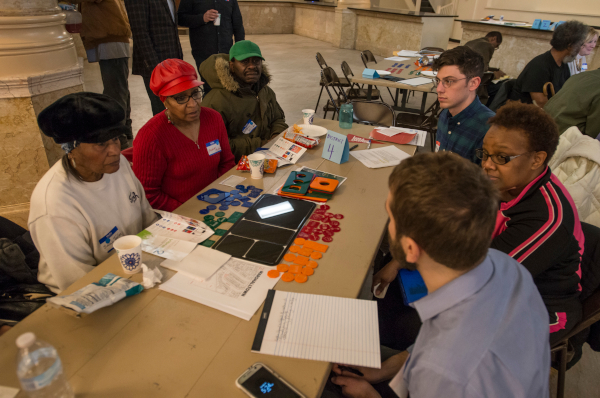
(446, 82)
(498, 159)
(184, 99)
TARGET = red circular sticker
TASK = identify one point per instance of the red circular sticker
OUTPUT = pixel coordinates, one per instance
(314, 237)
(316, 217)
(328, 215)
(304, 235)
(325, 227)
(327, 239)
(336, 229)
(325, 207)
(338, 216)
(335, 223)
(328, 233)
(312, 224)
(320, 211)
(308, 230)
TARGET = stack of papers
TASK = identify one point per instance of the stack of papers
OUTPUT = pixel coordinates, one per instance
(407, 53)
(285, 151)
(200, 264)
(380, 157)
(429, 73)
(419, 139)
(238, 288)
(174, 236)
(396, 59)
(391, 131)
(416, 81)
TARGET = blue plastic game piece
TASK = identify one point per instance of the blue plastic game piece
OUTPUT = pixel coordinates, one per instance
(240, 187)
(211, 207)
(205, 196)
(234, 191)
(254, 195)
(236, 203)
(224, 207)
(204, 211)
(247, 204)
(245, 199)
(251, 187)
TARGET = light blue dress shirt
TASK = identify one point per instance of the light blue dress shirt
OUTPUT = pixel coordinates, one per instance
(485, 334)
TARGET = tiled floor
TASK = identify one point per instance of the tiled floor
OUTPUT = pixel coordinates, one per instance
(291, 60)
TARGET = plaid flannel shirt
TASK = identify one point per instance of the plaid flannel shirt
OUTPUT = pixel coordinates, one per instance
(155, 34)
(463, 133)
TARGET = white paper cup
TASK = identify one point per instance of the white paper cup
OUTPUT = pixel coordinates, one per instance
(218, 20)
(308, 115)
(257, 165)
(129, 250)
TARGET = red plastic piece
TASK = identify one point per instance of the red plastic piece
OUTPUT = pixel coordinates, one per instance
(316, 217)
(336, 229)
(327, 239)
(328, 215)
(308, 230)
(312, 224)
(338, 216)
(325, 207)
(335, 223)
(328, 233)
(304, 235)
(314, 237)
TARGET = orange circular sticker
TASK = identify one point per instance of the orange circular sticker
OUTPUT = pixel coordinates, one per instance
(300, 241)
(301, 278)
(287, 277)
(273, 273)
(294, 249)
(307, 271)
(283, 267)
(312, 264)
(316, 255)
(289, 257)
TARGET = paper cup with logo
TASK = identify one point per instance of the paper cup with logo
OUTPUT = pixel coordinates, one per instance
(308, 115)
(129, 250)
(257, 165)
(218, 20)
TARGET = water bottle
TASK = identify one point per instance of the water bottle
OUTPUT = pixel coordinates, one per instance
(346, 116)
(39, 369)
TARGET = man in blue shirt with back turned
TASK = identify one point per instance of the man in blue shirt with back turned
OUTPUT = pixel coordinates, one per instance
(485, 326)
(463, 122)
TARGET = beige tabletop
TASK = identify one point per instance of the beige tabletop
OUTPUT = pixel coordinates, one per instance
(157, 344)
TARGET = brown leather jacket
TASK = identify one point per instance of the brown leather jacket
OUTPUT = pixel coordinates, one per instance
(104, 22)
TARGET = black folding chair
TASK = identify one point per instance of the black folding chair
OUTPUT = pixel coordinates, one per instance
(427, 121)
(373, 113)
(332, 83)
(344, 82)
(367, 56)
(355, 91)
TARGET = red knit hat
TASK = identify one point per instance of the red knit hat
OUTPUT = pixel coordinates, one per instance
(173, 76)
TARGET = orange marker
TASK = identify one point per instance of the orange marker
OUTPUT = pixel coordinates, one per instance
(287, 277)
(273, 273)
(301, 278)
(301, 260)
(312, 264)
(307, 271)
(295, 269)
(294, 249)
(316, 255)
(300, 241)
(283, 268)
(289, 257)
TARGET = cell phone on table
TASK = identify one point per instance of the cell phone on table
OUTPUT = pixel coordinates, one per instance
(259, 381)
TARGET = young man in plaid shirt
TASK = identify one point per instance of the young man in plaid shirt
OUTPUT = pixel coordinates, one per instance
(463, 122)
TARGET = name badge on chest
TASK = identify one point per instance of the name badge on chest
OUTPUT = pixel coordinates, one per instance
(213, 147)
(249, 127)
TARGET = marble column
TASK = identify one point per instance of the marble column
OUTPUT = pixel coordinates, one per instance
(39, 64)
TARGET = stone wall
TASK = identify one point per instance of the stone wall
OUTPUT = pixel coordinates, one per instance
(264, 18)
(316, 22)
(384, 33)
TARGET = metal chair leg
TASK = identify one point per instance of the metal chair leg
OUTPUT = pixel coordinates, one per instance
(326, 107)
(560, 385)
(319, 99)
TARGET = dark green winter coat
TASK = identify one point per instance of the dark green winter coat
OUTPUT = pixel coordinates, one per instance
(239, 105)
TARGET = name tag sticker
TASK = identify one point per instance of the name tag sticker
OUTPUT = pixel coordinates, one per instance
(249, 127)
(213, 147)
(437, 146)
(107, 240)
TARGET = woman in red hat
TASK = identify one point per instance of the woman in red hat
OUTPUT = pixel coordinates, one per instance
(184, 148)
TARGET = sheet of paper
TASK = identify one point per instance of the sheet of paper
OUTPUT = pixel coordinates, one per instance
(200, 264)
(320, 328)
(429, 73)
(418, 81)
(408, 53)
(237, 288)
(390, 131)
(280, 161)
(419, 139)
(165, 247)
(380, 157)
(232, 181)
(8, 392)
(286, 150)
(396, 59)
(178, 227)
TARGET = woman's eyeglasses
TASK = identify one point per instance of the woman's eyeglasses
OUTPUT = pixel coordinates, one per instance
(184, 99)
(498, 159)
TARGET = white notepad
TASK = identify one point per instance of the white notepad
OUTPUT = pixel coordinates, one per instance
(200, 264)
(416, 81)
(321, 328)
(386, 156)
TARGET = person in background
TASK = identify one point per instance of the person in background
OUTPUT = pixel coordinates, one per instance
(213, 25)
(578, 104)
(462, 122)
(155, 38)
(485, 330)
(537, 223)
(105, 34)
(241, 94)
(485, 46)
(580, 63)
(183, 149)
(88, 199)
(551, 66)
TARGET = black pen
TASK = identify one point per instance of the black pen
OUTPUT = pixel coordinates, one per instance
(354, 147)
(351, 370)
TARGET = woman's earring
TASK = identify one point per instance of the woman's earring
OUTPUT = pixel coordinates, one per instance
(168, 118)
(74, 164)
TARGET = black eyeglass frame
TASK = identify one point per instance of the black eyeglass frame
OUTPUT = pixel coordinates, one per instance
(483, 156)
(179, 98)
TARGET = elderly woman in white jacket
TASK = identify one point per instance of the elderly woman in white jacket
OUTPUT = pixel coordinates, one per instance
(90, 198)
